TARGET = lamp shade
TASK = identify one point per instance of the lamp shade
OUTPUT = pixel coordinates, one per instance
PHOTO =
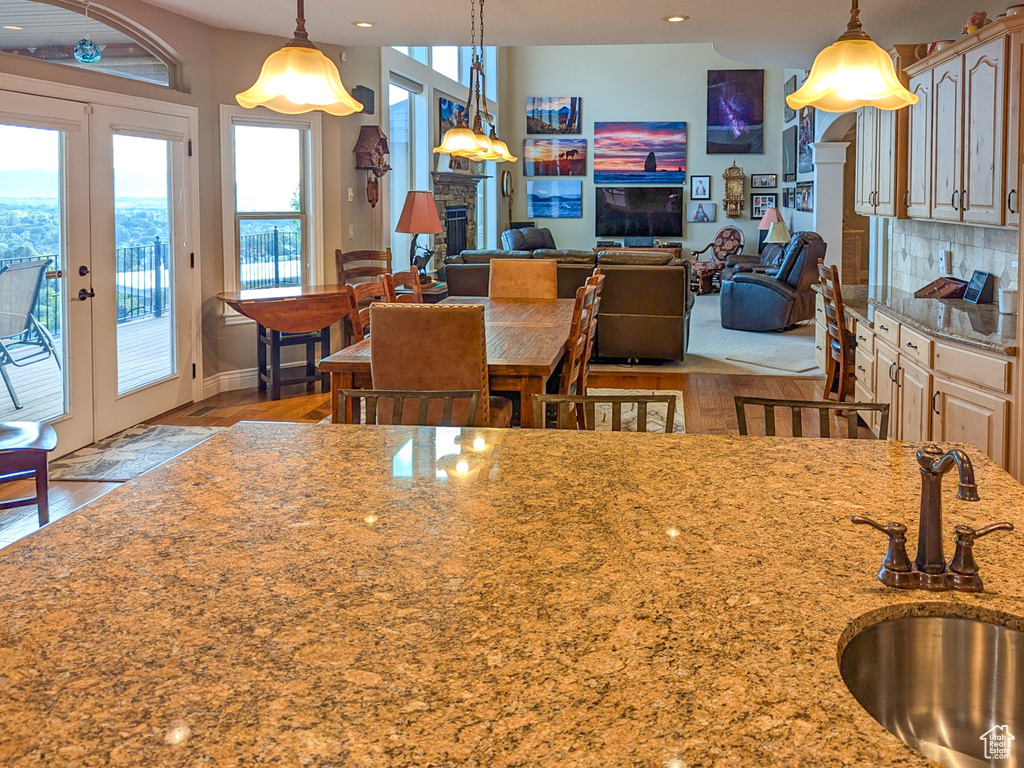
(419, 215)
(770, 217)
(297, 79)
(777, 233)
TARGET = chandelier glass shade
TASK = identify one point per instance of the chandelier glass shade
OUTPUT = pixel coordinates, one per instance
(474, 143)
(298, 78)
(853, 72)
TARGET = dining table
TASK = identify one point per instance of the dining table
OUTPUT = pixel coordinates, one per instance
(525, 343)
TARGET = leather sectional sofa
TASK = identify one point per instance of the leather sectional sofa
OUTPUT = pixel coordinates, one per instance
(645, 304)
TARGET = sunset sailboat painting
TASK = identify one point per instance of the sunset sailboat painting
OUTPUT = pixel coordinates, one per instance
(639, 153)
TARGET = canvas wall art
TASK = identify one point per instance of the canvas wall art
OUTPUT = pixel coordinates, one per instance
(700, 187)
(764, 180)
(735, 111)
(789, 149)
(788, 113)
(554, 199)
(805, 142)
(639, 153)
(448, 112)
(553, 114)
(805, 196)
(788, 197)
(760, 203)
(554, 157)
(701, 212)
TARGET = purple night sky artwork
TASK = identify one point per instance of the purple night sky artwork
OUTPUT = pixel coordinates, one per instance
(736, 112)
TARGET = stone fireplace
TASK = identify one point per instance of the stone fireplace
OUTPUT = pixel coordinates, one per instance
(456, 198)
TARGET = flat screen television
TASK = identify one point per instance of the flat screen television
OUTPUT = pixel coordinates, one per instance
(639, 211)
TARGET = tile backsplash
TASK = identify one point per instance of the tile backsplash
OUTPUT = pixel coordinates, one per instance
(915, 261)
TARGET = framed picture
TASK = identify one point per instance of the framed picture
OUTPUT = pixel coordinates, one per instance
(700, 187)
(805, 196)
(764, 180)
(789, 154)
(735, 112)
(789, 113)
(759, 203)
(551, 199)
(701, 212)
(805, 141)
(788, 197)
(639, 153)
(554, 157)
(553, 114)
(448, 112)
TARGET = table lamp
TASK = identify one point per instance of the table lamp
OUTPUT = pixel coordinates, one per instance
(419, 217)
(777, 233)
(771, 216)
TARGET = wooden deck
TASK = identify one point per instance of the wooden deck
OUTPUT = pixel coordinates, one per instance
(143, 353)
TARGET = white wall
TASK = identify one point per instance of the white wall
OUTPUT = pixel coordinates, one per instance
(635, 83)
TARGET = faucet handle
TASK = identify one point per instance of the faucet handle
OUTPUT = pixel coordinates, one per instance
(962, 562)
(896, 559)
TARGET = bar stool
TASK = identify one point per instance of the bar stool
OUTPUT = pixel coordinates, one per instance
(23, 449)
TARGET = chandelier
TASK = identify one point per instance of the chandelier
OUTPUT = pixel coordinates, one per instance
(852, 72)
(473, 143)
(299, 78)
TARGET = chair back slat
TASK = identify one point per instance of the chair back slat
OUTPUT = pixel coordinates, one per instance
(567, 404)
(361, 297)
(407, 279)
(597, 280)
(839, 369)
(411, 407)
(359, 266)
(825, 410)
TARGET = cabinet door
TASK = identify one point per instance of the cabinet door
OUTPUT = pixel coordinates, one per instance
(984, 120)
(919, 151)
(867, 146)
(1011, 196)
(947, 140)
(820, 339)
(871, 418)
(886, 388)
(885, 172)
(964, 415)
(915, 402)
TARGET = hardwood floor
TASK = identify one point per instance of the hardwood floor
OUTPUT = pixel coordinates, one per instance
(707, 405)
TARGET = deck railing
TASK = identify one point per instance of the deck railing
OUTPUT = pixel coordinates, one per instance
(142, 275)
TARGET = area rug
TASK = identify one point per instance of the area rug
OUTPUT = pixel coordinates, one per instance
(128, 454)
(716, 350)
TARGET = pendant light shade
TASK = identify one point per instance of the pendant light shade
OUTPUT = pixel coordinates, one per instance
(298, 78)
(852, 72)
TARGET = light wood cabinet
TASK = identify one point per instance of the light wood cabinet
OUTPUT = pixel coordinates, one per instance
(919, 148)
(947, 159)
(1012, 196)
(875, 190)
(915, 392)
(984, 121)
(963, 414)
(887, 363)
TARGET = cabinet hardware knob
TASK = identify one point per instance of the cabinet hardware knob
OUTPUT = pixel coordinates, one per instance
(1009, 201)
(906, 199)
(934, 409)
(884, 328)
(963, 201)
(911, 346)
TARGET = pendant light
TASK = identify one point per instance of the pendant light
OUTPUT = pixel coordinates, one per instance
(852, 72)
(473, 143)
(299, 78)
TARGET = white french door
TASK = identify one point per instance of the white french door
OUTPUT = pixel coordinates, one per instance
(97, 321)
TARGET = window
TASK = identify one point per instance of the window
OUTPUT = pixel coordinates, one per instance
(50, 33)
(418, 53)
(270, 200)
(444, 59)
(400, 101)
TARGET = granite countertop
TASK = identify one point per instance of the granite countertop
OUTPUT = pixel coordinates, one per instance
(977, 325)
(328, 595)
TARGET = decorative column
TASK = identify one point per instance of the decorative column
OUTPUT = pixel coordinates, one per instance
(829, 159)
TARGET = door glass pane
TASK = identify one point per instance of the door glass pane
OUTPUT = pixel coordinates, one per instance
(270, 251)
(144, 262)
(32, 311)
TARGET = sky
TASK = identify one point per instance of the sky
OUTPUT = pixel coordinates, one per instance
(625, 146)
(549, 149)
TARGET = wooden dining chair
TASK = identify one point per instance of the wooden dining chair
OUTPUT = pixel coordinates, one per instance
(361, 266)
(23, 449)
(826, 410)
(407, 279)
(523, 279)
(430, 348)
(597, 280)
(840, 369)
(361, 297)
(376, 402)
(565, 405)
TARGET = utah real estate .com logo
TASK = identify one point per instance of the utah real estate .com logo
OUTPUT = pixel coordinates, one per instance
(997, 742)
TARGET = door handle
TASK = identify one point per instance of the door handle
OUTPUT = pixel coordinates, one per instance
(1009, 201)
(934, 409)
(963, 201)
(906, 199)
(912, 346)
(86, 294)
(892, 377)
(83, 270)
(952, 199)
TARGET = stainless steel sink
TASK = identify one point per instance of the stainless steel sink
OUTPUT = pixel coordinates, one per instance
(942, 684)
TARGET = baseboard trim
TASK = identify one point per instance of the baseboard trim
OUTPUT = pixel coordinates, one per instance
(241, 378)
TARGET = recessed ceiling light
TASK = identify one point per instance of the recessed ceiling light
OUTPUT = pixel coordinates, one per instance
(362, 24)
(676, 19)
(11, 26)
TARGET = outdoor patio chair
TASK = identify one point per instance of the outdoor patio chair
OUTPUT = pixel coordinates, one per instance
(23, 339)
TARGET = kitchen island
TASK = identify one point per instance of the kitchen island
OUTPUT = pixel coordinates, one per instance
(328, 595)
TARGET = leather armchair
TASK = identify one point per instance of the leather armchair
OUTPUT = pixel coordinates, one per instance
(763, 302)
